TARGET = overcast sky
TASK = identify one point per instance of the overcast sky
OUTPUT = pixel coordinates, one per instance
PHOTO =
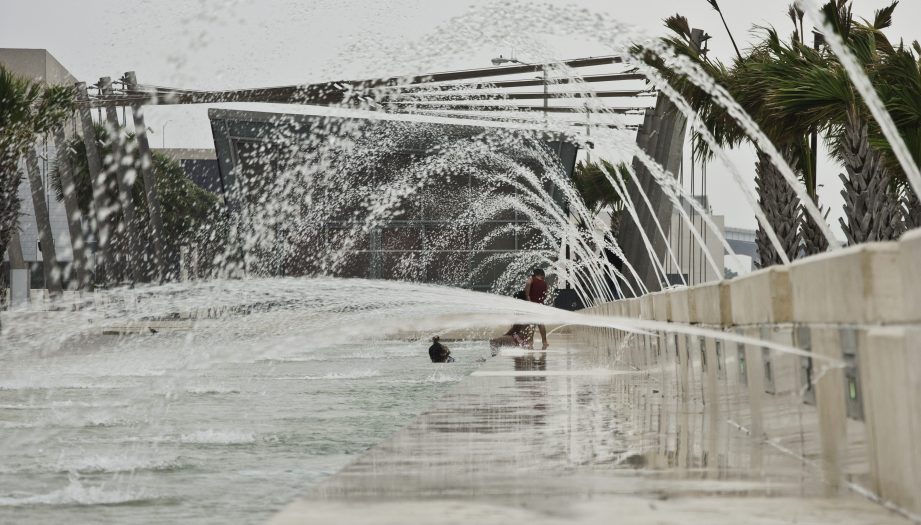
(249, 43)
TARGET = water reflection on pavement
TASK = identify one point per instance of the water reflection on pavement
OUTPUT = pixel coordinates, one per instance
(551, 437)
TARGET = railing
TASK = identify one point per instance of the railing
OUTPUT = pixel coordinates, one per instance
(851, 405)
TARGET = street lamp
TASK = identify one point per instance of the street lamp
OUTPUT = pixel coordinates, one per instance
(498, 61)
(163, 132)
(502, 60)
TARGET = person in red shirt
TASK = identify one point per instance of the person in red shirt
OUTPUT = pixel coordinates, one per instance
(535, 290)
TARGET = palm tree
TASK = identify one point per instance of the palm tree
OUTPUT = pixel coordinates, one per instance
(27, 109)
(783, 210)
(900, 88)
(776, 198)
(791, 89)
(51, 270)
(72, 165)
(873, 212)
(813, 238)
(911, 209)
(80, 271)
(186, 207)
(813, 89)
(591, 181)
(752, 83)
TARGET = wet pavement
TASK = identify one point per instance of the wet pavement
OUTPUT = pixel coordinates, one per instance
(555, 437)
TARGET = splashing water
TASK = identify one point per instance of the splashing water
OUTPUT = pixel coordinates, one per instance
(862, 82)
(265, 382)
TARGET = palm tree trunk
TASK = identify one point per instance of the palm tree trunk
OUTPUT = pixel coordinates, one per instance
(814, 241)
(74, 215)
(9, 215)
(154, 210)
(9, 197)
(873, 212)
(132, 247)
(17, 262)
(43, 221)
(911, 210)
(100, 202)
(782, 208)
(17, 259)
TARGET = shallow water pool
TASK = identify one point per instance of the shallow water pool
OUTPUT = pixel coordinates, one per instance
(147, 429)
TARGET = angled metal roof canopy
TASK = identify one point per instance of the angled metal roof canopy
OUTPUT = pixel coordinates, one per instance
(343, 92)
(477, 96)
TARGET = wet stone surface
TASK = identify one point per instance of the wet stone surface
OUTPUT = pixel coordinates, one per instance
(551, 437)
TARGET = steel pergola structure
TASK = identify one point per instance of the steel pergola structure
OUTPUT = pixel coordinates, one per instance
(480, 93)
(491, 94)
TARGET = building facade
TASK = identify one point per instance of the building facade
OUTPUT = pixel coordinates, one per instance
(693, 264)
(443, 231)
(41, 66)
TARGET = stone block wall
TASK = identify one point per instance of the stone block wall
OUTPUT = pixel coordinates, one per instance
(846, 395)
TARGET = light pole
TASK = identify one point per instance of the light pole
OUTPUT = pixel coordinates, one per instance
(163, 134)
(498, 61)
(502, 60)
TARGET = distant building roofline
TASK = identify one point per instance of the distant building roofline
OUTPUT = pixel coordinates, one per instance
(36, 63)
(738, 229)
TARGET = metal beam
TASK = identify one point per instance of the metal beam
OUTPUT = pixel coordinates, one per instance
(125, 188)
(466, 105)
(541, 96)
(528, 82)
(325, 92)
(94, 164)
(78, 245)
(504, 70)
(43, 221)
(520, 119)
(150, 185)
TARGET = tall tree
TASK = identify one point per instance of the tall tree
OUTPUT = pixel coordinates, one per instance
(743, 81)
(791, 89)
(783, 210)
(186, 207)
(27, 110)
(597, 192)
(873, 212)
(813, 89)
(899, 86)
(80, 271)
(51, 270)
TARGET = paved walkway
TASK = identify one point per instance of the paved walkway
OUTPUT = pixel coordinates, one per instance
(548, 438)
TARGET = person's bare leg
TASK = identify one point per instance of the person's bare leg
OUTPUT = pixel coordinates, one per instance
(543, 336)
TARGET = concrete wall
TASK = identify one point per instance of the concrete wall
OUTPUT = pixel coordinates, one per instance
(691, 257)
(662, 137)
(850, 406)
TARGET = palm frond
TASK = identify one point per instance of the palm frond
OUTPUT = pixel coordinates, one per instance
(883, 17)
(592, 182)
(679, 25)
(791, 13)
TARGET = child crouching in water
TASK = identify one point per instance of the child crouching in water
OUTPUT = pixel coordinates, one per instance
(521, 335)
